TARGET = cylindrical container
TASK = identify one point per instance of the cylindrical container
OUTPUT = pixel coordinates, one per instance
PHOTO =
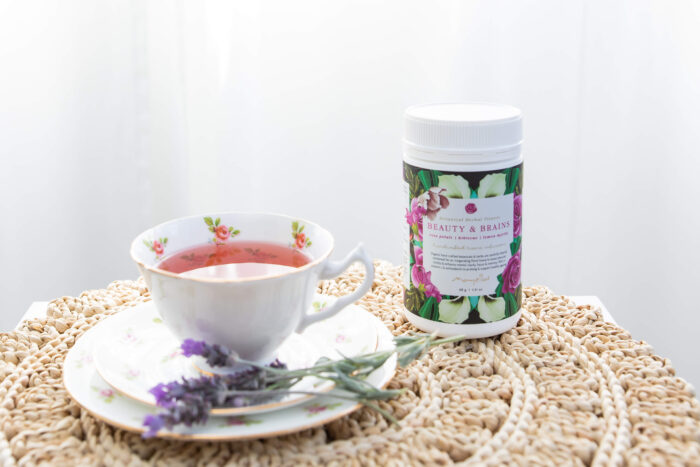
(463, 184)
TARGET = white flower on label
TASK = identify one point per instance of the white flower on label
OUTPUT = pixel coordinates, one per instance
(491, 309)
(454, 311)
(492, 185)
(456, 186)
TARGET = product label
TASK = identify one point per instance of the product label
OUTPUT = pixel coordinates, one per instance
(462, 252)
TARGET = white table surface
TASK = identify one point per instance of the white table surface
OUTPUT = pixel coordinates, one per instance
(37, 309)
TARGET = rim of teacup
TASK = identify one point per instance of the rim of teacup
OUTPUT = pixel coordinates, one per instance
(157, 270)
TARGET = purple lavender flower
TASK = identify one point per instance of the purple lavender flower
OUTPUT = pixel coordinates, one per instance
(153, 423)
(189, 400)
(215, 355)
(192, 347)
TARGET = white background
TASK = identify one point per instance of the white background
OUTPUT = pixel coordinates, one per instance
(116, 115)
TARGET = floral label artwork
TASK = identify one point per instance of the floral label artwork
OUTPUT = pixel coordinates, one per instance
(463, 251)
(301, 241)
(221, 232)
(157, 246)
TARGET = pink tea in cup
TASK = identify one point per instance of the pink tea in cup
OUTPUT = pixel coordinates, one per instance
(234, 260)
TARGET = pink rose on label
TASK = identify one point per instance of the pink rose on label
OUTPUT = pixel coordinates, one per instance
(517, 215)
(511, 274)
(470, 208)
(222, 232)
(421, 279)
(158, 247)
(419, 254)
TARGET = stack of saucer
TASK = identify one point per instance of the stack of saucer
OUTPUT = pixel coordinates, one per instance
(111, 368)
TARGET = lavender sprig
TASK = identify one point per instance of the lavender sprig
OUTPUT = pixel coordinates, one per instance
(190, 400)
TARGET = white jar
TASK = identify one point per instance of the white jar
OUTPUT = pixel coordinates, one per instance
(462, 174)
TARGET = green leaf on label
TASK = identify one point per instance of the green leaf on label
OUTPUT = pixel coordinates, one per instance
(217, 221)
(208, 221)
(424, 177)
(500, 278)
(427, 308)
(514, 180)
(499, 288)
(511, 304)
(413, 299)
(515, 245)
(473, 301)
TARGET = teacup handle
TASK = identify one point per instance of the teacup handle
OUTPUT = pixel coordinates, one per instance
(335, 268)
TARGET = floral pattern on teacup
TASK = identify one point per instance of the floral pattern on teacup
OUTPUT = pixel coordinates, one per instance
(319, 306)
(221, 232)
(157, 320)
(315, 409)
(131, 374)
(106, 394)
(340, 338)
(130, 337)
(173, 354)
(301, 241)
(157, 246)
(84, 360)
(240, 420)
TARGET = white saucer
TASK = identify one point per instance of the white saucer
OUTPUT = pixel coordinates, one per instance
(136, 352)
(92, 393)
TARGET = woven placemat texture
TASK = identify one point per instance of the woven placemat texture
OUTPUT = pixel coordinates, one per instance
(562, 388)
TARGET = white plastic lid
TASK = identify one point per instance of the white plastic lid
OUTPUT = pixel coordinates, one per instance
(469, 128)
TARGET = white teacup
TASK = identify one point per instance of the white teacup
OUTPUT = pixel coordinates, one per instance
(251, 316)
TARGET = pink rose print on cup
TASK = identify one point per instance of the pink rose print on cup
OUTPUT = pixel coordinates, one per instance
(421, 279)
(157, 246)
(470, 208)
(301, 241)
(517, 215)
(511, 274)
(221, 232)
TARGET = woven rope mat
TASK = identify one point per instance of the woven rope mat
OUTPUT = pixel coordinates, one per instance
(562, 388)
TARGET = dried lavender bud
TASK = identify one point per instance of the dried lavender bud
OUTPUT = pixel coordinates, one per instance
(215, 355)
(190, 400)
